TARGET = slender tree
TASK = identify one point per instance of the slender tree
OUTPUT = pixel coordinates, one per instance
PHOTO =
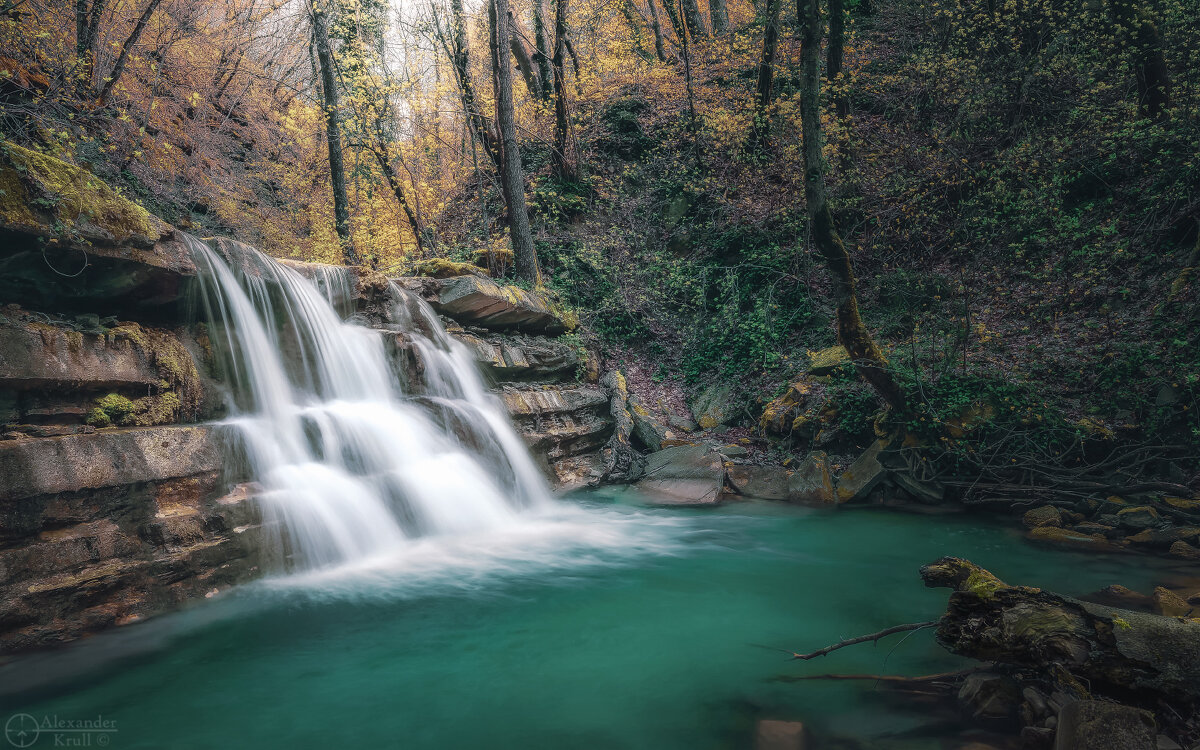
(565, 160)
(126, 49)
(542, 47)
(852, 332)
(461, 60)
(765, 88)
(660, 49)
(319, 17)
(833, 55)
(512, 175)
(693, 19)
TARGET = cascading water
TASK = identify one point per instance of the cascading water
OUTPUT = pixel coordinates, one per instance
(351, 461)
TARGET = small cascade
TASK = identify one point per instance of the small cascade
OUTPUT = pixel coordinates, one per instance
(352, 462)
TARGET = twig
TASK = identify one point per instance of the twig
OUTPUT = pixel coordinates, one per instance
(875, 677)
(873, 637)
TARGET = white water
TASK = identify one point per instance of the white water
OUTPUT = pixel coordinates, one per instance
(352, 463)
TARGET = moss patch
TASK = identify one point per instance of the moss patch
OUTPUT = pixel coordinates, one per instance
(45, 194)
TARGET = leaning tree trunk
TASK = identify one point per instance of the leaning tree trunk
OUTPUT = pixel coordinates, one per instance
(333, 137)
(476, 122)
(852, 332)
(513, 177)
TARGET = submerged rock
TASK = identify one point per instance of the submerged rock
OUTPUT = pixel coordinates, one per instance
(1100, 725)
(772, 734)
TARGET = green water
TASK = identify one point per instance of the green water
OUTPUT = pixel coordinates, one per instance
(607, 626)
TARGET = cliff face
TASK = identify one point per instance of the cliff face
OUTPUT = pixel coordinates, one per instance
(116, 498)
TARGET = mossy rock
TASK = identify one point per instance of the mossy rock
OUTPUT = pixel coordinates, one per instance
(825, 361)
(43, 195)
(441, 268)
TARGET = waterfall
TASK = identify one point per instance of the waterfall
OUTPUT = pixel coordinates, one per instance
(352, 458)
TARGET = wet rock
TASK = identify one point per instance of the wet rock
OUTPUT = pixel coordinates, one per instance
(812, 482)
(1164, 537)
(1163, 742)
(1057, 535)
(929, 493)
(481, 301)
(684, 475)
(715, 405)
(762, 482)
(1046, 515)
(106, 458)
(989, 697)
(1138, 517)
(784, 415)
(1184, 551)
(862, 476)
(1091, 527)
(1167, 602)
(1098, 725)
(772, 734)
(1120, 596)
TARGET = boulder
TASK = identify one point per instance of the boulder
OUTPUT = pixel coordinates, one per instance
(648, 430)
(862, 476)
(1138, 517)
(714, 406)
(780, 415)
(1170, 604)
(684, 475)
(762, 482)
(1100, 725)
(1046, 515)
(481, 301)
(1184, 551)
(812, 482)
(825, 361)
(990, 697)
(1163, 538)
(772, 734)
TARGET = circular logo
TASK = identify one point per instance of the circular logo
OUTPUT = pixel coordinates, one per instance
(21, 730)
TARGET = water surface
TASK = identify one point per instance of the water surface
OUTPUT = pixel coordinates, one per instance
(602, 625)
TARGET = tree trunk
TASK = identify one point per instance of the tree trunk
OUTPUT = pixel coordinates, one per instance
(543, 49)
(766, 74)
(565, 160)
(833, 59)
(461, 59)
(695, 21)
(393, 180)
(87, 29)
(1144, 44)
(660, 49)
(513, 177)
(126, 49)
(852, 333)
(333, 137)
(521, 53)
(635, 30)
(718, 10)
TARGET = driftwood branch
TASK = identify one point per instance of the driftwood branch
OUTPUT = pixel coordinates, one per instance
(873, 637)
(878, 677)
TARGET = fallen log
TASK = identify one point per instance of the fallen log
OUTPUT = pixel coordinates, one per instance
(1116, 652)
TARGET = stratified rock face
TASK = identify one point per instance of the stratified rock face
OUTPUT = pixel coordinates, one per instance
(480, 301)
(565, 426)
(111, 527)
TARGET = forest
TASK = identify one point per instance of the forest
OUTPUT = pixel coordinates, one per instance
(816, 300)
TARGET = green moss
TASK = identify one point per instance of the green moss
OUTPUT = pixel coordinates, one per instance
(441, 268)
(35, 185)
(109, 410)
(174, 363)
